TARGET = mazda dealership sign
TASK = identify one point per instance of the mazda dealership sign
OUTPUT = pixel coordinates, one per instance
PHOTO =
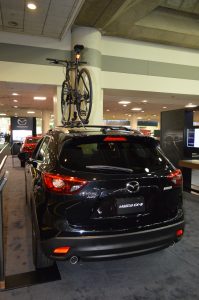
(21, 123)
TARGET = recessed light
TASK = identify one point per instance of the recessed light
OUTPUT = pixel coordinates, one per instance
(190, 105)
(31, 5)
(164, 106)
(139, 118)
(124, 105)
(30, 112)
(15, 100)
(124, 102)
(15, 106)
(154, 115)
(136, 108)
(129, 115)
(108, 110)
(2, 114)
(144, 101)
(142, 111)
(39, 98)
(15, 94)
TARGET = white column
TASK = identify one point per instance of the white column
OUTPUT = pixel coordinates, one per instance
(45, 121)
(133, 121)
(57, 107)
(91, 39)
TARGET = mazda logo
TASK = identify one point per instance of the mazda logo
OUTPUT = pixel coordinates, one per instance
(22, 121)
(133, 187)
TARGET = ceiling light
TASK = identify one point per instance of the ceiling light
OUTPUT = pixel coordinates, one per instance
(142, 111)
(31, 5)
(154, 115)
(139, 118)
(15, 94)
(164, 106)
(136, 108)
(15, 100)
(108, 110)
(144, 101)
(124, 105)
(190, 105)
(129, 115)
(124, 102)
(39, 98)
(2, 114)
(30, 112)
(15, 106)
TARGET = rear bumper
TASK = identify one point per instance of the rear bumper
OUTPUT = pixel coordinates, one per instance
(114, 246)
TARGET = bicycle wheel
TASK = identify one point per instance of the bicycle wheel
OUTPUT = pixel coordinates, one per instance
(66, 101)
(85, 95)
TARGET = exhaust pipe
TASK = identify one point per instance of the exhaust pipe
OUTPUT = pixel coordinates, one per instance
(74, 260)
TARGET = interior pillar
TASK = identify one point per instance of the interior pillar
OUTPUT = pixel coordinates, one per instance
(57, 107)
(91, 39)
(45, 121)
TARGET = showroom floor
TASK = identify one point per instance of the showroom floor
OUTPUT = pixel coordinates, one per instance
(168, 274)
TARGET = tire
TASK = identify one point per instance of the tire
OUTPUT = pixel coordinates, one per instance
(22, 164)
(66, 101)
(40, 260)
(85, 97)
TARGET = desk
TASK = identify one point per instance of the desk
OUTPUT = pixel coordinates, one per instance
(188, 165)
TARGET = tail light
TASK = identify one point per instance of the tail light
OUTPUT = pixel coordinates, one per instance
(63, 184)
(176, 177)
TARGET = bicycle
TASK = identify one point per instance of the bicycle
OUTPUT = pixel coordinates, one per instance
(78, 94)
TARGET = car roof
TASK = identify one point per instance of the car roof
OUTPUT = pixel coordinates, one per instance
(96, 130)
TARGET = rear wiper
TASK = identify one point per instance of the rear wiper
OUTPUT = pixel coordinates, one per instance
(103, 167)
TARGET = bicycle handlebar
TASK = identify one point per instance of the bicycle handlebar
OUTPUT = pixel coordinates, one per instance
(60, 61)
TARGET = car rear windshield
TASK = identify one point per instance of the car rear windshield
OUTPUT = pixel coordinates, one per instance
(99, 154)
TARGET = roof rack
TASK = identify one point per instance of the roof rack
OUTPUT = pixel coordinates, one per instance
(104, 128)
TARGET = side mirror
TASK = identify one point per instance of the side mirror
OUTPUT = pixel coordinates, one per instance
(32, 162)
(23, 156)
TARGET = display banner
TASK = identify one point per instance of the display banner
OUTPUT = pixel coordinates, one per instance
(21, 123)
(22, 127)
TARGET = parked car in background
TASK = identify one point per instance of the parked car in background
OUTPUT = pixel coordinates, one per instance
(27, 148)
(101, 195)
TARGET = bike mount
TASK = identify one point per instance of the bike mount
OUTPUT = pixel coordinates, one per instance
(24, 279)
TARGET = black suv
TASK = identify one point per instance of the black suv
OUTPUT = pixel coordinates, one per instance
(97, 194)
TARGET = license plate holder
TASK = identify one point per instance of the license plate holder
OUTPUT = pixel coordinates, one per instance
(133, 205)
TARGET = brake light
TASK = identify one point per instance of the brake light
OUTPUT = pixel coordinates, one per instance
(176, 177)
(63, 184)
(179, 232)
(115, 139)
(61, 250)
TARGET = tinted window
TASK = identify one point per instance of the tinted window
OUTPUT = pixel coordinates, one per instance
(137, 154)
(43, 153)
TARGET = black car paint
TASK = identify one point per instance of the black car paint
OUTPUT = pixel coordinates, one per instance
(79, 220)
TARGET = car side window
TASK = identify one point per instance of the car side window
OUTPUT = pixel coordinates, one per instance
(43, 152)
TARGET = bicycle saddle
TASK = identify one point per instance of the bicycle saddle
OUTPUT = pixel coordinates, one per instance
(78, 48)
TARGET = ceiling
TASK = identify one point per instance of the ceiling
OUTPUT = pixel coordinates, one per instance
(16, 17)
(156, 102)
(24, 100)
(172, 22)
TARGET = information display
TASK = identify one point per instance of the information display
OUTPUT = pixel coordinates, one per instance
(193, 137)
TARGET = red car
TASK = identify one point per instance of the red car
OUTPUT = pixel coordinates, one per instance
(28, 146)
